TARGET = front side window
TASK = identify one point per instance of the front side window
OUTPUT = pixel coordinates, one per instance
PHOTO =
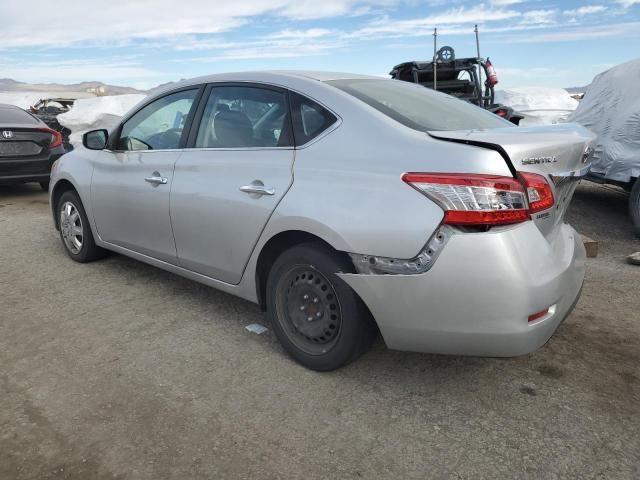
(244, 117)
(159, 125)
(418, 107)
(309, 118)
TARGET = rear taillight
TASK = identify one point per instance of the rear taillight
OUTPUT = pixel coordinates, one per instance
(539, 191)
(473, 199)
(56, 137)
(484, 200)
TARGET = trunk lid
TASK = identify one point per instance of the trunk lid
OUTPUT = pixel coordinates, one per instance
(561, 153)
(22, 141)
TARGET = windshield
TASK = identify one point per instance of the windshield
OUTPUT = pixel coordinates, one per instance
(418, 107)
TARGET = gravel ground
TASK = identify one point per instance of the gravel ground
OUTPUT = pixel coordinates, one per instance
(119, 370)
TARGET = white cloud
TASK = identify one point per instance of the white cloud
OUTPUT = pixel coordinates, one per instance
(628, 3)
(283, 44)
(586, 10)
(300, 34)
(539, 17)
(74, 22)
(452, 17)
(617, 30)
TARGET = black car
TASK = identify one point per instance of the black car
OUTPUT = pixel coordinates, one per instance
(28, 147)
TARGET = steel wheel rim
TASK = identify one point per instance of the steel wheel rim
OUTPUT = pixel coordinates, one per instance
(308, 309)
(71, 227)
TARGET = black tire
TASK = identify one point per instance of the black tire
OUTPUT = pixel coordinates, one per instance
(45, 186)
(88, 251)
(344, 328)
(634, 207)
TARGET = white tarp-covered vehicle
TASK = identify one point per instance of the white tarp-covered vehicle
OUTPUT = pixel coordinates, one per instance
(611, 109)
(97, 112)
(538, 105)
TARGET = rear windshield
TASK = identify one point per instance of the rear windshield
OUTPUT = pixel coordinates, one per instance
(418, 107)
(15, 115)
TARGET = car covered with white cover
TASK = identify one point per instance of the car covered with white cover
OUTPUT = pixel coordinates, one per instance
(611, 109)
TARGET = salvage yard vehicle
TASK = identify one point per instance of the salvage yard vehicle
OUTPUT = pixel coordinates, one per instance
(343, 205)
(48, 109)
(28, 147)
(459, 77)
(611, 109)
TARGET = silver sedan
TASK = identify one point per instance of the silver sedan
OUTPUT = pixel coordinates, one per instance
(344, 206)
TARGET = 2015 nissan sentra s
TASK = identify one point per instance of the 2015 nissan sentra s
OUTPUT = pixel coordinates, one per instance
(343, 205)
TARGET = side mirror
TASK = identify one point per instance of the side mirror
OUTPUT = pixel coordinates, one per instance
(95, 139)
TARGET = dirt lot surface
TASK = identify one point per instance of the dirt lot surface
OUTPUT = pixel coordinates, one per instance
(119, 370)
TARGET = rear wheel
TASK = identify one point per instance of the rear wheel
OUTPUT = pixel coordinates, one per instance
(317, 317)
(75, 230)
(634, 206)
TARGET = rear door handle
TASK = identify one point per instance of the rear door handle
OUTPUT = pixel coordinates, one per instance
(156, 180)
(258, 190)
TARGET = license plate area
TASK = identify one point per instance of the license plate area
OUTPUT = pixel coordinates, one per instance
(19, 149)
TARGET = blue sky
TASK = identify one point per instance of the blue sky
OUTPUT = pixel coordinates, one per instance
(143, 43)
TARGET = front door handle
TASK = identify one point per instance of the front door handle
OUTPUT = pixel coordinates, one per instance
(156, 180)
(258, 190)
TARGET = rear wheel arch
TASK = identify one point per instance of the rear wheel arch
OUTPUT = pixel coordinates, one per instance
(275, 246)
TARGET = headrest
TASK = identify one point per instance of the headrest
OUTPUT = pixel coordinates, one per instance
(233, 129)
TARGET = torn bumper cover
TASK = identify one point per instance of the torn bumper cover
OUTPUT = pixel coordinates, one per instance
(478, 297)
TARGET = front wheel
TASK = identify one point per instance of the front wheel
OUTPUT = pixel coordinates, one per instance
(75, 231)
(319, 320)
(634, 206)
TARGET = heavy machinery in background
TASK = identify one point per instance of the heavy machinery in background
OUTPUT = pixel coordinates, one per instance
(472, 79)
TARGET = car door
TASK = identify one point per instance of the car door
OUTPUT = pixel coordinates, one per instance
(226, 187)
(131, 184)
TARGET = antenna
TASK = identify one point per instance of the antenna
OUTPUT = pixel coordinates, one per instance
(435, 59)
(475, 30)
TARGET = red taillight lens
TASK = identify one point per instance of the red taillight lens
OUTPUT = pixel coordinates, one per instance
(501, 113)
(56, 137)
(473, 199)
(539, 191)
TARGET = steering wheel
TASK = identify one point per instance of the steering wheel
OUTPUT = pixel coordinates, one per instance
(167, 139)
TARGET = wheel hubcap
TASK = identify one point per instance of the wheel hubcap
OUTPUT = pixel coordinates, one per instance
(71, 227)
(308, 305)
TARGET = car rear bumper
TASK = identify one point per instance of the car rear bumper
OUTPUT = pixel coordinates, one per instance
(478, 296)
(26, 170)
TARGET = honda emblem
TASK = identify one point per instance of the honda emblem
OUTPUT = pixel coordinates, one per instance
(8, 134)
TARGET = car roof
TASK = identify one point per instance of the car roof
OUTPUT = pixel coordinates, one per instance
(283, 77)
(12, 107)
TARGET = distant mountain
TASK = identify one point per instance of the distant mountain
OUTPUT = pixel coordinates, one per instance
(99, 88)
(163, 86)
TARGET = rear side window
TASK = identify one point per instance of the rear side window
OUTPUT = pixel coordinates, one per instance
(16, 115)
(244, 117)
(418, 107)
(309, 118)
